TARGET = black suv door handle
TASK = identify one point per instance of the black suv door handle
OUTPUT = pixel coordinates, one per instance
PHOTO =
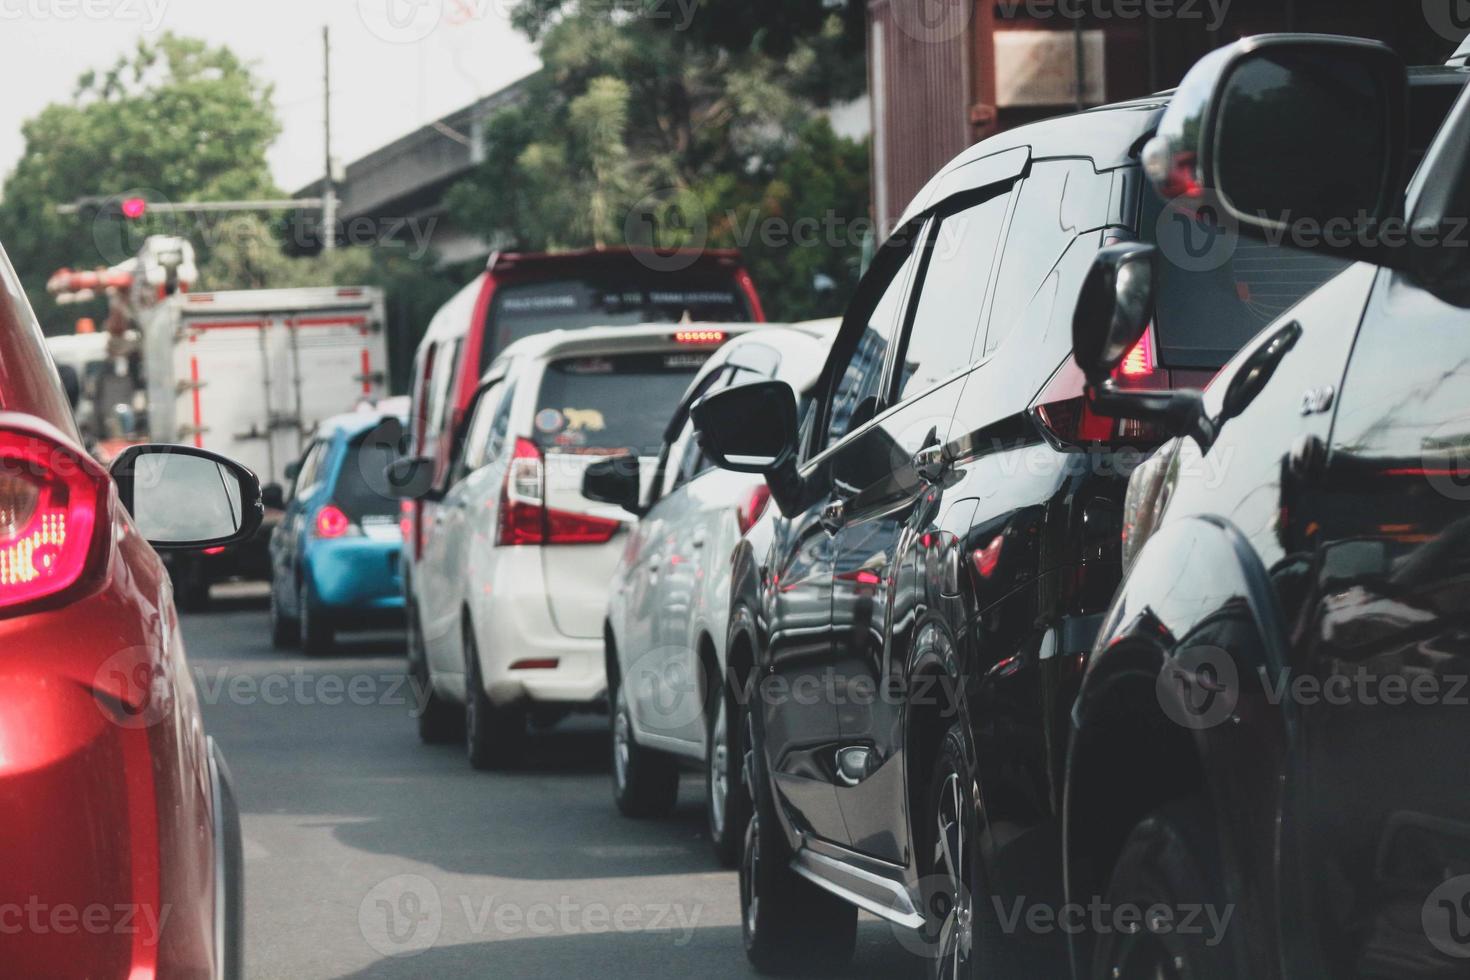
(834, 515)
(931, 463)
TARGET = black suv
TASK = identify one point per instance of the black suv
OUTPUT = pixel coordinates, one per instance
(1269, 716)
(911, 624)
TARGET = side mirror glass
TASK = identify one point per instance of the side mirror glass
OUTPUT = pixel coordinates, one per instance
(614, 481)
(750, 428)
(186, 498)
(1114, 308)
(411, 478)
(273, 496)
(1299, 138)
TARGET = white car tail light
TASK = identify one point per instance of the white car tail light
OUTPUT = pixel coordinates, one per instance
(52, 505)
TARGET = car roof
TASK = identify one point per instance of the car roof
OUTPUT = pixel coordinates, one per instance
(584, 341)
(352, 424)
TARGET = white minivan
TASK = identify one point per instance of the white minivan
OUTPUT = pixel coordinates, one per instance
(668, 612)
(513, 580)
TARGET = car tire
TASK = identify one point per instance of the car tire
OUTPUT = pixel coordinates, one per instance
(788, 924)
(317, 634)
(1172, 859)
(645, 783)
(440, 722)
(495, 736)
(285, 631)
(724, 791)
(963, 935)
(191, 586)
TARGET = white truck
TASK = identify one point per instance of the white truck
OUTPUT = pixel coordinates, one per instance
(250, 373)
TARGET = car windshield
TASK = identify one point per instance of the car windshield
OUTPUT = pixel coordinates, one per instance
(525, 309)
(610, 404)
(361, 480)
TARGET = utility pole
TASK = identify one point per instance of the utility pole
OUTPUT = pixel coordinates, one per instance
(329, 191)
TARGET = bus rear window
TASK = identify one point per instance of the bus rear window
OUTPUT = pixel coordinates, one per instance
(612, 404)
(524, 309)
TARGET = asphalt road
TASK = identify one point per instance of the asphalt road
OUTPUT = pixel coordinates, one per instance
(368, 854)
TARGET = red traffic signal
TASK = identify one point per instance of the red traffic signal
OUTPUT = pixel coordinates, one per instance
(133, 207)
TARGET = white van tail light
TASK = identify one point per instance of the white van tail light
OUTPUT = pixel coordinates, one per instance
(52, 502)
(524, 516)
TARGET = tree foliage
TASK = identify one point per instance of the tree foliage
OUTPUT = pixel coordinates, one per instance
(710, 127)
(175, 119)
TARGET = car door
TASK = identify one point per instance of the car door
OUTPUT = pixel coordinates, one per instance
(888, 484)
(667, 687)
(1387, 511)
(798, 697)
(464, 523)
(293, 529)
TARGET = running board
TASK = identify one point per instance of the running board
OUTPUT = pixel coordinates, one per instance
(884, 897)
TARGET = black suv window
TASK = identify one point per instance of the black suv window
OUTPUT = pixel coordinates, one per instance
(1216, 289)
(856, 395)
(957, 262)
(1059, 199)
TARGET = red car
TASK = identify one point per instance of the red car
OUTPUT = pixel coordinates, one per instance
(120, 848)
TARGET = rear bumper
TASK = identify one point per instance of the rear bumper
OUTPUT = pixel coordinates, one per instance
(514, 624)
(358, 575)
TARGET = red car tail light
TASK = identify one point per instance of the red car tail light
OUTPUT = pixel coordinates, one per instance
(405, 519)
(332, 523)
(752, 507)
(1063, 407)
(53, 507)
(524, 516)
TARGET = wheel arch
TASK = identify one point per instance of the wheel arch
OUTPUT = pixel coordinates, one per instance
(1131, 751)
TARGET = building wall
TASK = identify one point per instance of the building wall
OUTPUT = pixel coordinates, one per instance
(944, 74)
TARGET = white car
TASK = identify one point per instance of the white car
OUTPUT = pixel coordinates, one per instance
(667, 616)
(514, 576)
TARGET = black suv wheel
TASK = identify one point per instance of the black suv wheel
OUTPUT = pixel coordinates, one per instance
(789, 924)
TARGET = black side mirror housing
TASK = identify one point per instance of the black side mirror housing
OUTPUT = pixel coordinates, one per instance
(293, 469)
(412, 478)
(1113, 310)
(273, 495)
(187, 499)
(1296, 138)
(752, 428)
(614, 481)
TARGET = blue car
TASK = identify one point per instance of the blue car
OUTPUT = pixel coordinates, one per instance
(334, 557)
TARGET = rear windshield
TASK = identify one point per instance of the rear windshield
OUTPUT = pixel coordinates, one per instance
(362, 477)
(524, 309)
(612, 404)
(1216, 291)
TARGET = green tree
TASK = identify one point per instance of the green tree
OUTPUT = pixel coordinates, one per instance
(175, 119)
(635, 113)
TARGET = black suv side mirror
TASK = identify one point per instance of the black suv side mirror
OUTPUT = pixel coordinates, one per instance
(614, 481)
(1296, 138)
(752, 428)
(1113, 310)
(183, 498)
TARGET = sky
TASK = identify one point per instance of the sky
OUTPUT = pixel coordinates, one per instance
(396, 64)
